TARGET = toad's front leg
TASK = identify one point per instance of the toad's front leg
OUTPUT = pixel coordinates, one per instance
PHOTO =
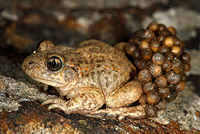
(89, 100)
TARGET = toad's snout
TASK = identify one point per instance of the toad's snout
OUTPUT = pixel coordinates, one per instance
(27, 65)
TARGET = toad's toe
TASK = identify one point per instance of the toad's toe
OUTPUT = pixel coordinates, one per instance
(53, 101)
(60, 106)
(55, 106)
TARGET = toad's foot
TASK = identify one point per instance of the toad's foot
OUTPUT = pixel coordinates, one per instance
(51, 101)
(56, 103)
(133, 112)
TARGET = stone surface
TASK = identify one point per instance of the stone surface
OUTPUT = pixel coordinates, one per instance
(180, 18)
(183, 109)
(32, 118)
(23, 23)
(15, 86)
(195, 57)
(108, 21)
(16, 91)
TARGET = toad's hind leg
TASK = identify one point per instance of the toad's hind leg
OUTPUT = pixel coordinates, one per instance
(133, 112)
(120, 98)
(125, 95)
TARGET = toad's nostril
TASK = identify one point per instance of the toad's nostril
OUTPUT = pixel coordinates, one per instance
(30, 62)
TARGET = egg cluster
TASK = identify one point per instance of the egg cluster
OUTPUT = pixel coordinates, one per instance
(159, 57)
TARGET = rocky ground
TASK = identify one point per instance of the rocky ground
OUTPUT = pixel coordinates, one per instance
(24, 23)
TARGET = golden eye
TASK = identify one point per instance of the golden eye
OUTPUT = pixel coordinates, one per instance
(54, 63)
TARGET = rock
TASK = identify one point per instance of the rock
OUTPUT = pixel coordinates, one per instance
(195, 56)
(19, 105)
(182, 110)
(180, 18)
(24, 23)
(15, 86)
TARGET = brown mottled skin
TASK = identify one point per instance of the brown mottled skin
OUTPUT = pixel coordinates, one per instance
(92, 74)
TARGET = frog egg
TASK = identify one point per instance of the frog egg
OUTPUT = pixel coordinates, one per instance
(161, 65)
(144, 76)
(148, 35)
(152, 98)
(169, 56)
(172, 96)
(154, 45)
(146, 54)
(162, 27)
(172, 77)
(172, 30)
(158, 58)
(176, 64)
(155, 70)
(186, 57)
(144, 45)
(169, 41)
(164, 32)
(163, 92)
(136, 54)
(176, 50)
(143, 63)
(187, 67)
(167, 66)
(180, 86)
(137, 64)
(153, 26)
(177, 41)
(149, 87)
(161, 104)
(161, 81)
(163, 49)
(150, 110)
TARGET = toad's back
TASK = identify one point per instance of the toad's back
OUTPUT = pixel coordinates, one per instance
(100, 65)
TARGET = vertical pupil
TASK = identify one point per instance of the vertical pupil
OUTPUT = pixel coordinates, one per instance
(53, 63)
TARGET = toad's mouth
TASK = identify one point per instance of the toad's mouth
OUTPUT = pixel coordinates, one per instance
(48, 82)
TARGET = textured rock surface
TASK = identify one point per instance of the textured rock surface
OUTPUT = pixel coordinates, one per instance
(24, 23)
(16, 91)
(185, 27)
(195, 57)
(32, 118)
(183, 110)
(14, 86)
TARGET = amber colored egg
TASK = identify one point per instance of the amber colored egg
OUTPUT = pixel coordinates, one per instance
(150, 110)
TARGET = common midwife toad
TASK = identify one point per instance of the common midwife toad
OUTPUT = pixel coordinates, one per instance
(91, 75)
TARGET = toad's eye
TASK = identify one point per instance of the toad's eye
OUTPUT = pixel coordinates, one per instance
(54, 63)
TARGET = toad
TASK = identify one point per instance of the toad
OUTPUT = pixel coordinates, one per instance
(90, 75)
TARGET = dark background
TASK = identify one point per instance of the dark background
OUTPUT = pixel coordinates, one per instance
(24, 23)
